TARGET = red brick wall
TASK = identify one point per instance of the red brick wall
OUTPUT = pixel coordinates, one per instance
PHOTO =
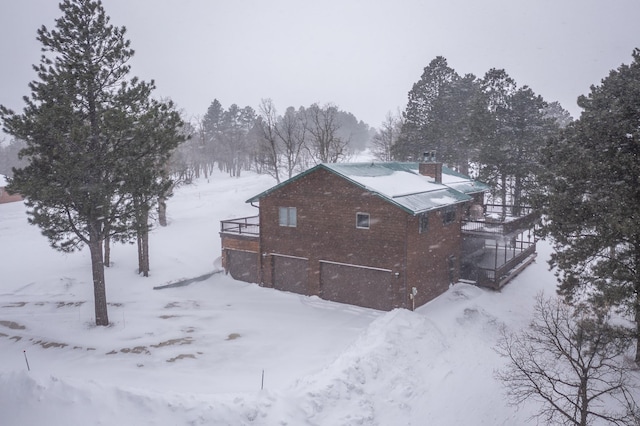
(240, 242)
(428, 253)
(237, 242)
(326, 230)
(326, 226)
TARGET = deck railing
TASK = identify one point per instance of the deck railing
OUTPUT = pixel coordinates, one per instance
(492, 277)
(501, 220)
(507, 210)
(241, 226)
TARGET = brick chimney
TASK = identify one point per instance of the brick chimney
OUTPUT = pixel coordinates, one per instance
(430, 167)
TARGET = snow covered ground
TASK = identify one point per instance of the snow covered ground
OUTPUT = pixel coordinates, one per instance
(195, 355)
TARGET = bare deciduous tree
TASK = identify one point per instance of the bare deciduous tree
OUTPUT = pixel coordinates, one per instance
(269, 141)
(571, 359)
(324, 144)
(292, 130)
(386, 136)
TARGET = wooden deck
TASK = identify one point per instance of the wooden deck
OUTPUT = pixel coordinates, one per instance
(249, 226)
(499, 245)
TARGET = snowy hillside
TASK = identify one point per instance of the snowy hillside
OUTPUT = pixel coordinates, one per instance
(195, 355)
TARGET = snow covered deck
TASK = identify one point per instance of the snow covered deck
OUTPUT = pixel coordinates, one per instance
(499, 245)
(500, 221)
(494, 266)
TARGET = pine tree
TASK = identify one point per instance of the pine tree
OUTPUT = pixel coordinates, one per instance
(498, 88)
(459, 122)
(80, 125)
(592, 200)
(446, 113)
(518, 129)
(211, 126)
(156, 135)
(416, 135)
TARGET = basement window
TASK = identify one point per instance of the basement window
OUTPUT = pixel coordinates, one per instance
(362, 220)
(287, 216)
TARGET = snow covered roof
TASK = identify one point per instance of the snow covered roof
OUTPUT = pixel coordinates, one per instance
(3, 181)
(400, 184)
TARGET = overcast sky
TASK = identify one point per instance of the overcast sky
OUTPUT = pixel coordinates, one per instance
(363, 56)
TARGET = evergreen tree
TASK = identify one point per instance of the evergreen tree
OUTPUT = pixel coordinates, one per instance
(355, 132)
(211, 125)
(560, 116)
(80, 127)
(9, 156)
(459, 122)
(592, 199)
(237, 138)
(156, 133)
(498, 88)
(446, 113)
(416, 136)
(510, 150)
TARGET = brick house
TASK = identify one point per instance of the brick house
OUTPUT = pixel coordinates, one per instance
(378, 235)
(5, 197)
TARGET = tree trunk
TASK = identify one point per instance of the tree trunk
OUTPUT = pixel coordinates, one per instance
(99, 288)
(162, 210)
(637, 310)
(107, 251)
(139, 247)
(143, 241)
(583, 399)
(636, 296)
(145, 253)
(503, 195)
(637, 359)
(464, 168)
(517, 196)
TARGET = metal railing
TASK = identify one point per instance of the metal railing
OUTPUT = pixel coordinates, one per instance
(492, 277)
(507, 210)
(241, 226)
(501, 220)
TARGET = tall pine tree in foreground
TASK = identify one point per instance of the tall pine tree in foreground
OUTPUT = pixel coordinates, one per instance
(592, 200)
(82, 124)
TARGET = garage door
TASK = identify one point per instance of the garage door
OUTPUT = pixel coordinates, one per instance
(356, 285)
(291, 274)
(243, 265)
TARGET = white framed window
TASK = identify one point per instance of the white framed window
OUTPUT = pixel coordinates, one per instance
(288, 216)
(362, 220)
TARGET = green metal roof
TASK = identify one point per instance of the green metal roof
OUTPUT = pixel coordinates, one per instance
(399, 184)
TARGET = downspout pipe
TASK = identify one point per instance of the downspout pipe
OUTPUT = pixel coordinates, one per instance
(404, 266)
